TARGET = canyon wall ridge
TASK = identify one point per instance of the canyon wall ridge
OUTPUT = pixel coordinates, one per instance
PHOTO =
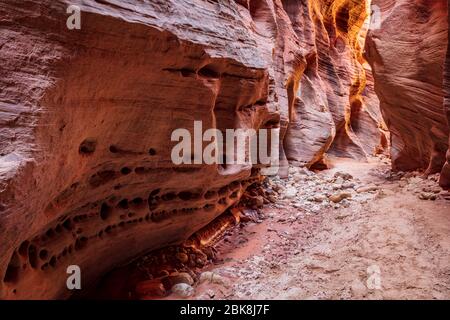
(86, 115)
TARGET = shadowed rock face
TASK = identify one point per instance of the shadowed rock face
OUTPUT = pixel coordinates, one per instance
(334, 108)
(407, 56)
(445, 174)
(86, 117)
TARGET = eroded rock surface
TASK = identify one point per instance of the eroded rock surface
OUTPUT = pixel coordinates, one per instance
(445, 174)
(333, 107)
(87, 117)
(407, 55)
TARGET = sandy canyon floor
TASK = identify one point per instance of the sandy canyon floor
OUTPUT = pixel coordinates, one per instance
(389, 238)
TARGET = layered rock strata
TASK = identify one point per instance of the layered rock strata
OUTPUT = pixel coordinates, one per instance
(407, 54)
(86, 118)
(445, 174)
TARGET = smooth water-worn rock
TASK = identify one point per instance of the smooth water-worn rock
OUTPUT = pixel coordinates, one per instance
(86, 116)
(333, 108)
(445, 174)
(407, 54)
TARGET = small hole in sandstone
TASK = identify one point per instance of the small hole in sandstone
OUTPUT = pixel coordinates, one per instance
(210, 195)
(52, 261)
(154, 192)
(235, 185)
(23, 248)
(137, 201)
(261, 103)
(186, 72)
(12, 272)
(209, 72)
(108, 229)
(185, 195)
(123, 204)
(125, 170)
(169, 196)
(152, 152)
(223, 191)
(32, 256)
(67, 224)
(113, 149)
(87, 147)
(105, 211)
(80, 243)
(58, 228)
(43, 254)
(50, 233)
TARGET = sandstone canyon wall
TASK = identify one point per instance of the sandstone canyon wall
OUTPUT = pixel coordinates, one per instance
(86, 118)
(445, 174)
(407, 55)
(334, 108)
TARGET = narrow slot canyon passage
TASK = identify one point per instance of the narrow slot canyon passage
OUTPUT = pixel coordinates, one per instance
(305, 246)
(355, 96)
(343, 225)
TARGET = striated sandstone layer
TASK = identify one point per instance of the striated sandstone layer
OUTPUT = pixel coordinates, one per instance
(407, 56)
(333, 107)
(86, 118)
(445, 174)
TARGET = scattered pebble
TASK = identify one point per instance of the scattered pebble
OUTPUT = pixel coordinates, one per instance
(183, 290)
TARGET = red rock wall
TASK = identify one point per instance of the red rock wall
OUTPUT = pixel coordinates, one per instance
(334, 108)
(407, 56)
(445, 174)
(86, 117)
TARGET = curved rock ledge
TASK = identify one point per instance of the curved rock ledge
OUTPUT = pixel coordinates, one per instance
(86, 115)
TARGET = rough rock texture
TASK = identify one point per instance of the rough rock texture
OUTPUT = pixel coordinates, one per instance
(332, 109)
(445, 174)
(407, 55)
(86, 117)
